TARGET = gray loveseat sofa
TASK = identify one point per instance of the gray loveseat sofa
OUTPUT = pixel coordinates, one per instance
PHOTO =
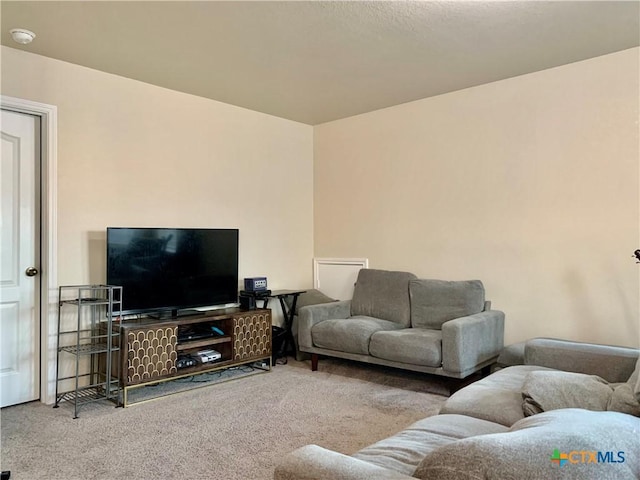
(397, 320)
(489, 431)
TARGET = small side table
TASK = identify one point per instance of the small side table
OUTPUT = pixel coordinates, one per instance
(288, 316)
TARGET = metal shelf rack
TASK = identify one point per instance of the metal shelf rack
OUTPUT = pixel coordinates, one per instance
(96, 337)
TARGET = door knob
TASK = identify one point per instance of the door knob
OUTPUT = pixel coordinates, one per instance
(31, 272)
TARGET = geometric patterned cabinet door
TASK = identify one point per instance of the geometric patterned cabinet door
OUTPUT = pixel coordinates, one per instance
(252, 335)
(151, 353)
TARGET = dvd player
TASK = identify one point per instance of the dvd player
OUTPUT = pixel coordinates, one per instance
(191, 335)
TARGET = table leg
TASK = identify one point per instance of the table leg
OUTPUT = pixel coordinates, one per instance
(288, 324)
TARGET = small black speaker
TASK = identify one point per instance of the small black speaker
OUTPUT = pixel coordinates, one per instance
(247, 302)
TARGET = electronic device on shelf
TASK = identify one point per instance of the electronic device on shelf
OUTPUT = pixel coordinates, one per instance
(189, 333)
(172, 269)
(185, 361)
(205, 356)
(255, 293)
(248, 298)
(255, 284)
(247, 302)
(188, 336)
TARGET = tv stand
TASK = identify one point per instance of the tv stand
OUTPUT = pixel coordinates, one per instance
(151, 348)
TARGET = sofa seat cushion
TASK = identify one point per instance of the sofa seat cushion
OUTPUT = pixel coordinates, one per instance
(416, 346)
(351, 335)
(382, 294)
(405, 450)
(496, 398)
(609, 441)
(434, 302)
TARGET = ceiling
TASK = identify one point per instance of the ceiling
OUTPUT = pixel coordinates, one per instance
(318, 61)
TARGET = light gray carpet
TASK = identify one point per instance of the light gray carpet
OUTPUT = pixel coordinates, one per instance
(233, 430)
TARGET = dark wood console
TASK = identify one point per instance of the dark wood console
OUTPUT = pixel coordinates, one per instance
(151, 348)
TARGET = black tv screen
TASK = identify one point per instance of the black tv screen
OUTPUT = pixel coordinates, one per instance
(173, 268)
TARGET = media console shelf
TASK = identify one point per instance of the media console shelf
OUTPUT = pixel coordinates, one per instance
(154, 351)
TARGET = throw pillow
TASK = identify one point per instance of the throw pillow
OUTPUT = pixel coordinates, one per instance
(534, 447)
(623, 400)
(626, 396)
(634, 380)
(550, 390)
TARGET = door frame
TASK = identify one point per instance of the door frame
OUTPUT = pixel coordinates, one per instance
(48, 237)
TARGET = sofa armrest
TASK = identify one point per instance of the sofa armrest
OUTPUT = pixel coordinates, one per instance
(614, 364)
(311, 315)
(312, 462)
(469, 341)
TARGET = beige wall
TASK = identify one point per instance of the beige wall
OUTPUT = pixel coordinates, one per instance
(530, 184)
(132, 154)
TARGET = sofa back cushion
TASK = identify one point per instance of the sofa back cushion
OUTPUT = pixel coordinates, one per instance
(382, 294)
(614, 364)
(434, 302)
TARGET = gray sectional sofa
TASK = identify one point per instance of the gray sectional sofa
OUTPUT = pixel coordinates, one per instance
(570, 412)
(397, 320)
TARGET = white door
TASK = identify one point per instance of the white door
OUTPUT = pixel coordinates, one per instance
(19, 259)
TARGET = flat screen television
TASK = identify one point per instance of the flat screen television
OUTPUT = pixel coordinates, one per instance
(166, 270)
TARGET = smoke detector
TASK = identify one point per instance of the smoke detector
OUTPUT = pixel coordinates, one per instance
(22, 36)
